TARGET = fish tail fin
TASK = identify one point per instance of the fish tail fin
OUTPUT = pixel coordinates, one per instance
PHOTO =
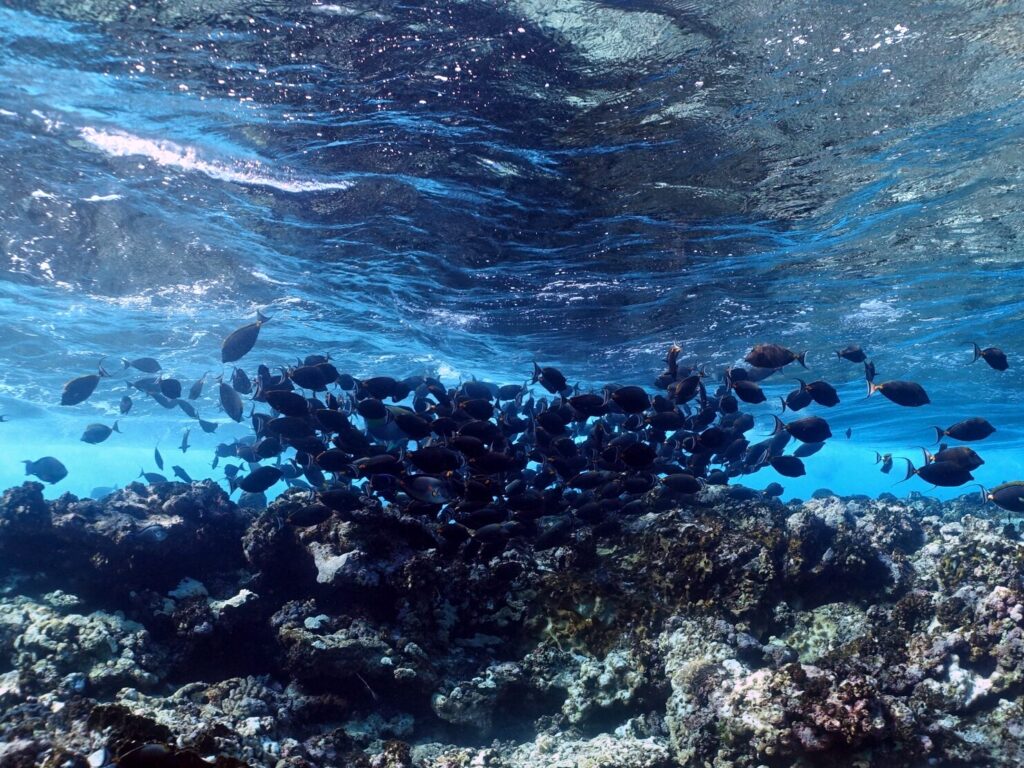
(872, 388)
(802, 358)
(939, 434)
(779, 426)
(839, 354)
(232, 485)
(115, 428)
(878, 458)
(125, 363)
(536, 373)
(803, 384)
(763, 460)
(28, 466)
(977, 351)
(910, 470)
(783, 401)
(984, 493)
(928, 458)
(261, 318)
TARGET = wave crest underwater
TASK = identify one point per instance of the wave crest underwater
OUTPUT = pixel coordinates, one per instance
(464, 188)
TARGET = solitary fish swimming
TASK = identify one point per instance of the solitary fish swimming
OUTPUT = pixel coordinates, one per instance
(854, 353)
(994, 356)
(47, 469)
(239, 342)
(967, 430)
(773, 356)
(97, 433)
(144, 364)
(78, 390)
(907, 393)
(230, 401)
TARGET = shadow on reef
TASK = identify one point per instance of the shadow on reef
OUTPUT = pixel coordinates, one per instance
(722, 628)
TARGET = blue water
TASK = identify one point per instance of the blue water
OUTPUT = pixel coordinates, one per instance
(462, 188)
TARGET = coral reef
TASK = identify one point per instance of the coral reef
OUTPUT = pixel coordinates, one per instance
(723, 629)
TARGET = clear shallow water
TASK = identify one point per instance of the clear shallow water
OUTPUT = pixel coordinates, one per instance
(463, 188)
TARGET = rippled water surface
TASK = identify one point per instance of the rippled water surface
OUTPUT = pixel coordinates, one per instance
(466, 187)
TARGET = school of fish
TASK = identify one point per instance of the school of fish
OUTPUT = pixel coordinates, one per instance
(489, 462)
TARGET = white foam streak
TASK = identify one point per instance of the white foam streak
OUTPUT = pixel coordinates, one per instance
(167, 153)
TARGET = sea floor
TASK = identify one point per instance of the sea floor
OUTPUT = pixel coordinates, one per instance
(165, 625)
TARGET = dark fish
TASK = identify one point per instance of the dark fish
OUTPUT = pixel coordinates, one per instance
(885, 461)
(181, 474)
(257, 481)
(807, 449)
(334, 460)
(414, 426)
(681, 483)
(788, 466)
(342, 499)
(240, 382)
(810, 429)
(849, 432)
(756, 374)
(854, 353)
(144, 364)
(773, 490)
(288, 403)
(152, 477)
(966, 431)
(748, 391)
(869, 371)
(478, 409)
(1009, 496)
(773, 356)
(184, 440)
(942, 473)
(436, 459)
(550, 378)
(164, 401)
(239, 342)
(821, 392)
(147, 384)
(309, 377)
(267, 447)
(78, 390)
(170, 388)
(197, 387)
(685, 389)
(290, 427)
(230, 402)
(509, 391)
(187, 408)
(797, 400)
(208, 426)
(126, 404)
(380, 387)
(47, 469)
(97, 433)
(428, 489)
(961, 455)
(158, 458)
(907, 393)
(994, 356)
(631, 399)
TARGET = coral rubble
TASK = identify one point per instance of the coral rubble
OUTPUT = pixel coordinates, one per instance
(722, 629)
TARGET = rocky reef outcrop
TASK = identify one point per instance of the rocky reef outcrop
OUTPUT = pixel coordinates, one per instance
(722, 629)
